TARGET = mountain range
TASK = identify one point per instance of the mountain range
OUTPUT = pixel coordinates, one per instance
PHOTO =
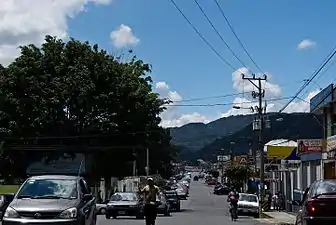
(235, 133)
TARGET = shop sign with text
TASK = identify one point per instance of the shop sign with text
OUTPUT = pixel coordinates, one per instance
(310, 146)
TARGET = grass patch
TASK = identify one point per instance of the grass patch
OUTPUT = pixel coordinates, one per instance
(7, 189)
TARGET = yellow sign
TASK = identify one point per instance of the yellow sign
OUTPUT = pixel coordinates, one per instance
(279, 152)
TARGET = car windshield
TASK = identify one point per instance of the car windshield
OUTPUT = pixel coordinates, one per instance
(124, 197)
(326, 186)
(49, 188)
(248, 198)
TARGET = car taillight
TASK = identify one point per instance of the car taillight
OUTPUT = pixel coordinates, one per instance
(311, 206)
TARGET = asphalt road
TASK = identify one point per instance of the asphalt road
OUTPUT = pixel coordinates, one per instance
(202, 208)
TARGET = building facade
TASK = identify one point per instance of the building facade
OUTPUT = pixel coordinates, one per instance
(324, 103)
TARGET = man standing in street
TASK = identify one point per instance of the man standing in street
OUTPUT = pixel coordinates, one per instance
(150, 192)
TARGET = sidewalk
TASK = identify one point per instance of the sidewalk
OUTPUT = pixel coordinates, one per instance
(281, 217)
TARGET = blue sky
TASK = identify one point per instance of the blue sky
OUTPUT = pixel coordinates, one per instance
(270, 30)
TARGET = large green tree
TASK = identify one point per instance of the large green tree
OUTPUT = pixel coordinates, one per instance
(75, 89)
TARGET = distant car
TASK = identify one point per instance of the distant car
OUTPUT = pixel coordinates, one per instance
(124, 204)
(164, 207)
(212, 182)
(221, 190)
(5, 199)
(318, 204)
(248, 204)
(182, 191)
(52, 199)
(173, 200)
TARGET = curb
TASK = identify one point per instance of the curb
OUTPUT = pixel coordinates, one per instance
(264, 216)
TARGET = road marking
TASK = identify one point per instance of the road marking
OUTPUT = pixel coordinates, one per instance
(264, 220)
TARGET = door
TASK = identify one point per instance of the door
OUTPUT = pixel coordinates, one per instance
(88, 206)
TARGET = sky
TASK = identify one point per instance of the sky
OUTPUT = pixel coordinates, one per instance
(288, 40)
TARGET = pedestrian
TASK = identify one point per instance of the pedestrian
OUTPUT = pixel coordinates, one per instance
(150, 192)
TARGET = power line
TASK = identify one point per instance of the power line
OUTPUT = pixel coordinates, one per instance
(237, 37)
(224, 104)
(231, 94)
(201, 36)
(218, 33)
(316, 72)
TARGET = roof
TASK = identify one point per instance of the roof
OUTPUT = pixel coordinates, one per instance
(60, 177)
(280, 142)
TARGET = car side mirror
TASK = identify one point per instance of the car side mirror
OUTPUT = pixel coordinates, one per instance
(87, 197)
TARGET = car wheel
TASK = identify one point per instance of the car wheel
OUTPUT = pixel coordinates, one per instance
(102, 211)
(178, 207)
(167, 212)
(140, 216)
(114, 216)
(107, 216)
(256, 215)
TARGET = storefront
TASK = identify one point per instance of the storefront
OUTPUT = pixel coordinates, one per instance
(311, 168)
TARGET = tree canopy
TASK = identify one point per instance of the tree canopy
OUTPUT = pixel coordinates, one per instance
(75, 89)
(238, 174)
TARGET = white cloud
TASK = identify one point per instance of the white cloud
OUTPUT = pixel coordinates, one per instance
(171, 117)
(306, 44)
(123, 36)
(273, 95)
(27, 22)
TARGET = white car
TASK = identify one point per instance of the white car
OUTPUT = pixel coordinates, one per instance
(248, 204)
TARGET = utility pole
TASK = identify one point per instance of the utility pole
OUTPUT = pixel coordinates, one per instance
(147, 161)
(134, 162)
(259, 125)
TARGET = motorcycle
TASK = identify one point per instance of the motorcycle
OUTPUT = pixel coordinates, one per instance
(233, 213)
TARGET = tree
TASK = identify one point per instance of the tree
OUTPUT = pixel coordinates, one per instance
(75, 89)
(214, 173)
(238, 174)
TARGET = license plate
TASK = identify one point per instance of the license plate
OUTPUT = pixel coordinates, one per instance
(122, 212)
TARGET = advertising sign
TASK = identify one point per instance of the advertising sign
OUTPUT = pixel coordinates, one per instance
(222, 158)
(322, 99)
(279, 152)
(310, 146)
(331, 143)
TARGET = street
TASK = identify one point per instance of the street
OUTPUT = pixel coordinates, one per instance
(202, 208)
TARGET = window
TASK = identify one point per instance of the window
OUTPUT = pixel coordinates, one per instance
(49, 188)
(248, 198)
(326, 186)
(121, 196)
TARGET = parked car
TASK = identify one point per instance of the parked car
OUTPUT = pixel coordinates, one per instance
(52, 199)
(182, 192)
(101, 208)
(164, 207)
(318, 204)
(221, 189)
(211, 182)
(124, 204)
(248, 204)
(5, 199)
(173, 200)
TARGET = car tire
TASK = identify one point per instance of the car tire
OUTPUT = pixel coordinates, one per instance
(140, 216)
(114, 216)
(107, 216)
(166, 212)
(178, 207)
(256, 215)
(102, 211)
